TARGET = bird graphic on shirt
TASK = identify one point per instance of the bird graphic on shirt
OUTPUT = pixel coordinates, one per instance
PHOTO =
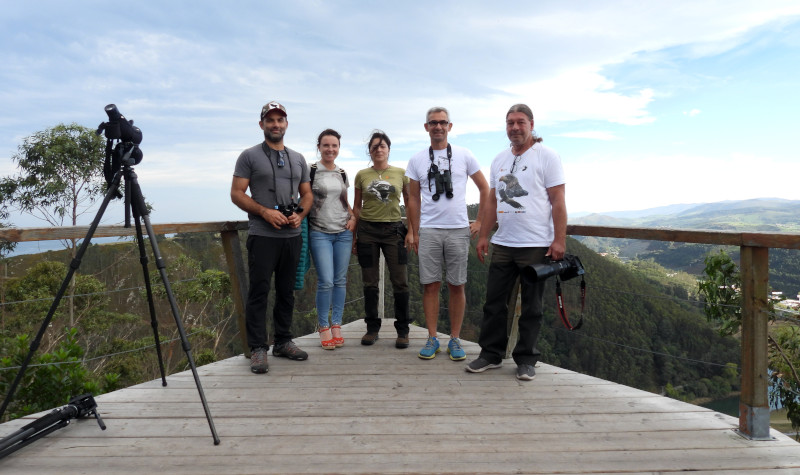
(511, 190)
(381, 189)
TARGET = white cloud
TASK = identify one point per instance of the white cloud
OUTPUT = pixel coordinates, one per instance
(592, 134)
(614, 184)
(195, 79)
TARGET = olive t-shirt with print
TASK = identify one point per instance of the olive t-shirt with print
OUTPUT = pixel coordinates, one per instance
(380, 193)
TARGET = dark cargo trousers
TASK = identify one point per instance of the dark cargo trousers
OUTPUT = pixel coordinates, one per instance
(507, 262)
(389, 238)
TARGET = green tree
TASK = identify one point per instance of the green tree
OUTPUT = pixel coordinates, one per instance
(5, 245)
(60, 177)
(721, 291)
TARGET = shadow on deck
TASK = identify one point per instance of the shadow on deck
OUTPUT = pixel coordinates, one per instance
(377, 409)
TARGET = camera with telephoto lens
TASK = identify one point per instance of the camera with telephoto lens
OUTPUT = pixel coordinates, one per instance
(288, 210)
(567, 268)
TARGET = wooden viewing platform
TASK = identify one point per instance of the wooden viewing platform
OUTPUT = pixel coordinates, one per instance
(377, 409)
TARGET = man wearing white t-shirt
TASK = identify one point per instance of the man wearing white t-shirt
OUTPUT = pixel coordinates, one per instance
(439, 230)
(527, 202)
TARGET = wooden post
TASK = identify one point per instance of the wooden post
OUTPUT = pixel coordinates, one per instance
(238, 275)
(381, 285)
(754, 401)
(514, 311)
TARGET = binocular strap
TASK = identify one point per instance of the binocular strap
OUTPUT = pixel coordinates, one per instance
(562, 312)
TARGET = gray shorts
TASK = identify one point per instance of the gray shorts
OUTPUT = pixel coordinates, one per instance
(438, 246)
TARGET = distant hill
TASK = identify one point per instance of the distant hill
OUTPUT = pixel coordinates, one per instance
(761, 214)
(756, 215)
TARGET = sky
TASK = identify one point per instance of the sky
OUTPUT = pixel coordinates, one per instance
(647, 103)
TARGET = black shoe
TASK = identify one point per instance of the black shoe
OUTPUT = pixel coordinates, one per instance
(480, 365)
(289, 350)
(525, 372)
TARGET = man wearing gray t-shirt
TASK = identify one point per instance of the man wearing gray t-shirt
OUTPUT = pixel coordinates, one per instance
(275, 176)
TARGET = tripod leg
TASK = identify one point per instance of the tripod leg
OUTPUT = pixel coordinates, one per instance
(138, 204)
(73, 266)
(149, 289)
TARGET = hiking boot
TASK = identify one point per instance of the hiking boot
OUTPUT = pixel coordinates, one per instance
(370, 338)
(401, 341)
(258, 360)
(430, 349)
(455, 350)
(288, 349)
(480, 365)
(525, 372)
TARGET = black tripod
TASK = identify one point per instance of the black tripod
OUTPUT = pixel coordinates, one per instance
(133, 201)
(79, 406)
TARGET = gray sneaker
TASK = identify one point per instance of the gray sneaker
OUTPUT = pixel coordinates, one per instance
(258, 360)
(288, 349)
(480, 365)
(526, 372)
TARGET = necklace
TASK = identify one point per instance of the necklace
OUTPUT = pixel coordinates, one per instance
(381, 171)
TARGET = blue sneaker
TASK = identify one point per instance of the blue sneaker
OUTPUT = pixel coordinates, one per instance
(455, 350)
(430, 350)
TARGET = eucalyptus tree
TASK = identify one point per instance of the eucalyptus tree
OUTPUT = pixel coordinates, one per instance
(59, 177)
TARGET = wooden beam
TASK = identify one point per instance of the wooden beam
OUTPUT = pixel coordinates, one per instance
(79, 232)
(754, 401)
(238, 276)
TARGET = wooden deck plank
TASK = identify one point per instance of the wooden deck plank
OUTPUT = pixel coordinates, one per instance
(381, 410)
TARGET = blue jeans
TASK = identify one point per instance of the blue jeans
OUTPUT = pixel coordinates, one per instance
(331, 254)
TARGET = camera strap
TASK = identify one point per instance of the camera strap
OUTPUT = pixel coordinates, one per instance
(268, 153)
(562, 312)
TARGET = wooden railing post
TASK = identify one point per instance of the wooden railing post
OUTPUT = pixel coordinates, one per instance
(754, 401)
(381, 286)
(238, 275)
(514, 311)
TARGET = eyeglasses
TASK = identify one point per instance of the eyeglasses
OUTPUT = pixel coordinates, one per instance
(434, 123)
(281, 162)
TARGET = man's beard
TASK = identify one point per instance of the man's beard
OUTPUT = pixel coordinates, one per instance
(274, 138)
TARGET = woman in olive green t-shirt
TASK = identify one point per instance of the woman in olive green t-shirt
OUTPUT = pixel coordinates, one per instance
(377, 206)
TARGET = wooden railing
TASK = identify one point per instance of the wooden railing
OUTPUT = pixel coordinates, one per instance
(754, 403)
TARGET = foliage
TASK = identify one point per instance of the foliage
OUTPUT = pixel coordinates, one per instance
(113, 329)
(51, 379)
(5, 246)
(721, 290)
(61, 174)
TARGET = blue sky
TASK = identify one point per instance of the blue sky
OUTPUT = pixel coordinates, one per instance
(648, 103)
